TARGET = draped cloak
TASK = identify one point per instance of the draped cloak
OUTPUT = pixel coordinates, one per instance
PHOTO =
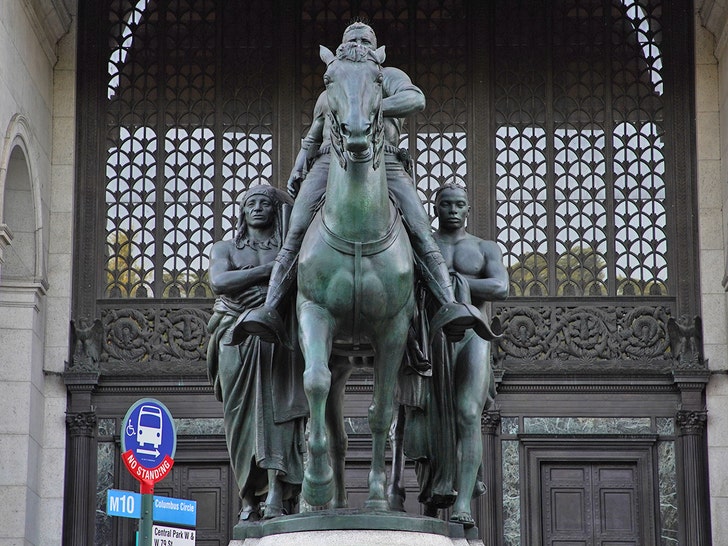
(264, 406)
(430, 435)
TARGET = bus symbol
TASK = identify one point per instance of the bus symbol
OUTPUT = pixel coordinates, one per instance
(149, 426)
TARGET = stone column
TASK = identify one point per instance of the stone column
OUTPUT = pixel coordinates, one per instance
(488, 505)
(80, 488)
(691, 374)
(80, 482)
(693, 478)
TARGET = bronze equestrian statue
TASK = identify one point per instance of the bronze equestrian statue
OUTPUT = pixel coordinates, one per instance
(400, 98)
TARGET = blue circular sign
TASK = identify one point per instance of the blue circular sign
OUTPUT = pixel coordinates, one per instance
(149, 433)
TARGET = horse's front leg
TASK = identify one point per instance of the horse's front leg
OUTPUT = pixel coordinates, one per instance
(396, 493)
(338, 440)
(389, 349)
(314, 327)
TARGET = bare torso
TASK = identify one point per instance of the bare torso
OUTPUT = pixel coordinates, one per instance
(247, 257)
(474, 258)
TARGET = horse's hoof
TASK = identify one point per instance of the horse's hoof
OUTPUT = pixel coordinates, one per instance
(377, 505)
(395, 500)
(318, 491)
(339, 505)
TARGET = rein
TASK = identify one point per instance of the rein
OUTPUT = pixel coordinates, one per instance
(337, 140)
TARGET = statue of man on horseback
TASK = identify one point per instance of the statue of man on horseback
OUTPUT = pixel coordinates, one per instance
(353, 255)
(307, 182)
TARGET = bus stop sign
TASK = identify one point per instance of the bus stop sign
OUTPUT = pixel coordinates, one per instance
(148, 442)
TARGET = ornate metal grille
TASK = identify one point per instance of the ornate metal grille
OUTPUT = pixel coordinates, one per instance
(186, 135)
(572, 136)
(441, 70)
(579, 134)
(436, 138)
(580, 145)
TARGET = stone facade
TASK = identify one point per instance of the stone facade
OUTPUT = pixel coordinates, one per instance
(711, 89)
(37, 120)
(37, 82)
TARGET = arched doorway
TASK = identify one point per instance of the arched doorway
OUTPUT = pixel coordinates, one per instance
(18, 221)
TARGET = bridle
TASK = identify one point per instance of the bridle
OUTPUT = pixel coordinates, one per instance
(377, 136)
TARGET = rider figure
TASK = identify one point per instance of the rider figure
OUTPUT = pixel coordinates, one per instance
(400, 99)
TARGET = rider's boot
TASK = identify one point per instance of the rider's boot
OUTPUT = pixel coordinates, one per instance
(265, 321)
(452, 317)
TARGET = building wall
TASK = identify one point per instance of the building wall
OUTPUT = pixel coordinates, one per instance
(711, 56)
(37, 82)
(60, 250)
(37, 102)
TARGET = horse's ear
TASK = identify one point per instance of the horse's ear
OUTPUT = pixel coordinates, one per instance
(380, 55)
(326, 55)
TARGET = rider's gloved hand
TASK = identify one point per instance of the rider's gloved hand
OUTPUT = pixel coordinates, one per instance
(294, 183)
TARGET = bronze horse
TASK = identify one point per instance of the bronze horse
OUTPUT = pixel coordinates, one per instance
(355, 280)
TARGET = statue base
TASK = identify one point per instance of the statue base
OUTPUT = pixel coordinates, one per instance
(355, 528)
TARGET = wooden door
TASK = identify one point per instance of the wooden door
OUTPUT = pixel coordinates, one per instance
(590, 504)
(211, 485)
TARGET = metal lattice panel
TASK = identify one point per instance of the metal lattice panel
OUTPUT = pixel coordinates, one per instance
(555, 115)
(441, 133)
(186, 138)
(580, 171)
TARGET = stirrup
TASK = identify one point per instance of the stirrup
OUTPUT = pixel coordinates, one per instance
(454, 318)
(264, 322)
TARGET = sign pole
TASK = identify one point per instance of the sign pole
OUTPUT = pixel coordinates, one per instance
(147, 522)
(148, 445)
(127, 504)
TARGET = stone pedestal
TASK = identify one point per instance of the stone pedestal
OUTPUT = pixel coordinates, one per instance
(356, 538)
(354, 528)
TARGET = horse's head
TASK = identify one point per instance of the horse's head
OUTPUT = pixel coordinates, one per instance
(353, 81)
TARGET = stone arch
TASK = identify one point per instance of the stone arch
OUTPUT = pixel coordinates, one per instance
(21, 255)
(23, 310)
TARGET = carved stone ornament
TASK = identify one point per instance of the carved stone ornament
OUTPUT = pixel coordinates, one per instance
(582, 333)
(149, 334)
(490, 421)
(692, 422)
(87, 339)
(82, 423)
(686, 342)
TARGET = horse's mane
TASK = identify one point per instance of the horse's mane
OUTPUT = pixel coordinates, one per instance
(351, 51)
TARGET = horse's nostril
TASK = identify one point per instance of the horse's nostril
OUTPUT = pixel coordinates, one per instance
(357, 144)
